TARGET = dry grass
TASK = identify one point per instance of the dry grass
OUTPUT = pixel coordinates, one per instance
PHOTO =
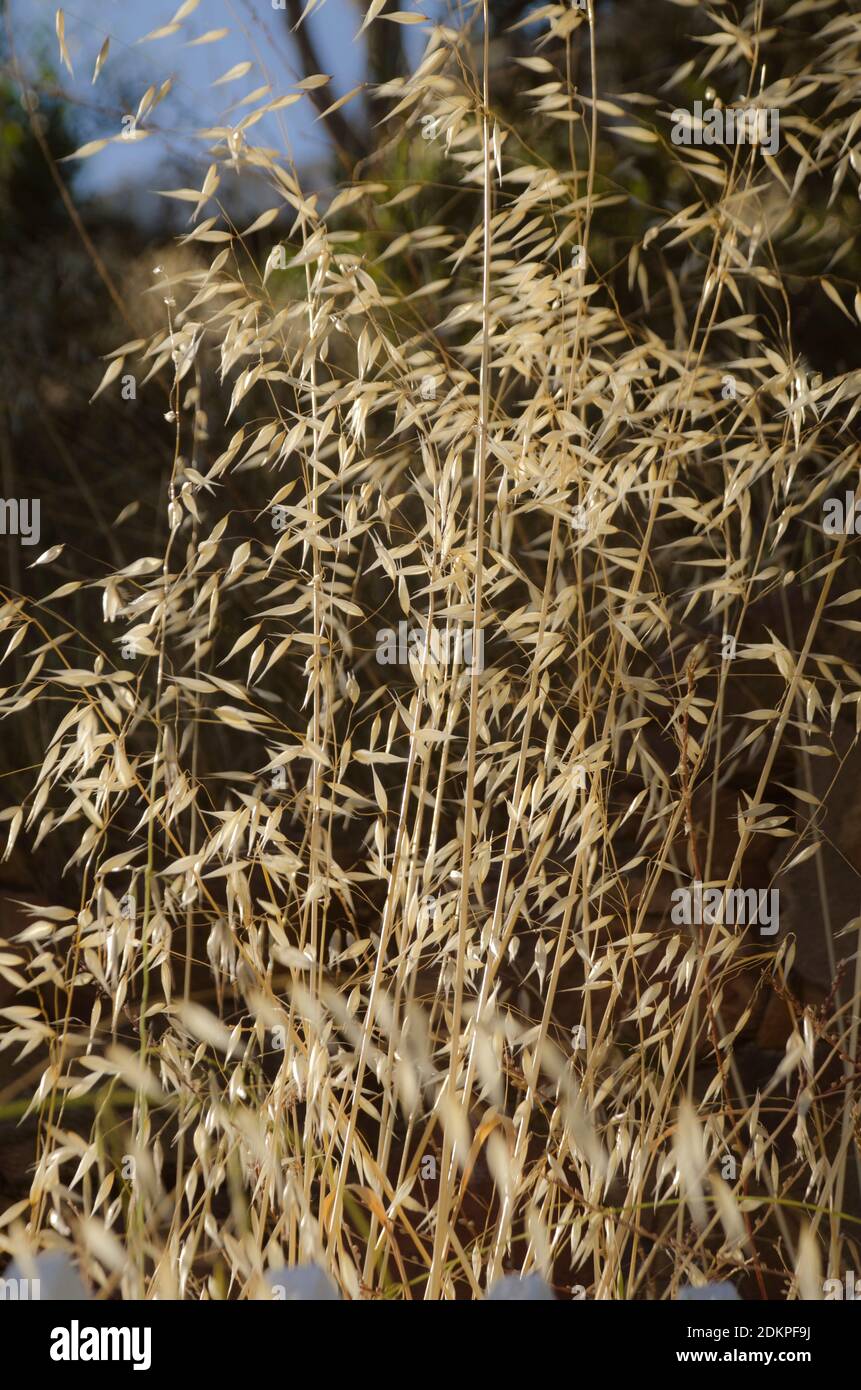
(400, 991)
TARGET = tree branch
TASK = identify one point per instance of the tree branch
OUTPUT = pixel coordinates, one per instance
(349, 144)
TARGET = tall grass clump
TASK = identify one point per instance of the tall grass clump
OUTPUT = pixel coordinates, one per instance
(487, 604)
